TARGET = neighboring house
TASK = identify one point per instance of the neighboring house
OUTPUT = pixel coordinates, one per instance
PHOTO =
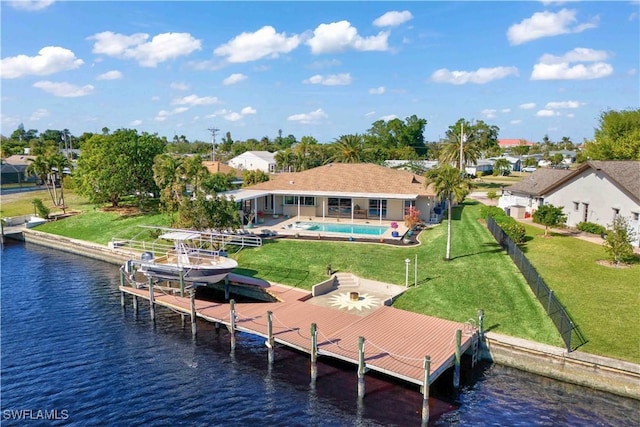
(254, 160)
(12, 169)
(568, 156)
(531, 192)
(515, 163)
(598, 191)
(340, 190)
(219, 167)
(483, 165)
(406, 164)
(507, 144)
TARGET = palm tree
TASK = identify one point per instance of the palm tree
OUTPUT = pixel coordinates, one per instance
(348, 149)
(168, 173)
(502, 165)
(59, 162)
(41, 168)
(448, 182)
(450, 153)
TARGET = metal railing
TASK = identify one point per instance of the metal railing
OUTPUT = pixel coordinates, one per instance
(569, 331)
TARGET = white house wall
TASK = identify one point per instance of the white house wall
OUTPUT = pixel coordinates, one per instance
(602, 197)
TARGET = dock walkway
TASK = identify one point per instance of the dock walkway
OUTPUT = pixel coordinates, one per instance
(396, 341)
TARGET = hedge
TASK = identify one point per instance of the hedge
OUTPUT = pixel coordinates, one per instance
(510, 226)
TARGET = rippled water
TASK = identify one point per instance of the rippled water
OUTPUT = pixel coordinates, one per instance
(69, 347)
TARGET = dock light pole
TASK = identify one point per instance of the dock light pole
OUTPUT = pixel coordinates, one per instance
(406, 272)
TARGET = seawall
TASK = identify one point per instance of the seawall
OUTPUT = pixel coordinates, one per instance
(597, 372)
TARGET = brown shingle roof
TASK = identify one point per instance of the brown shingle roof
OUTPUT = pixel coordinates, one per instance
(348, 178)
(217, 167)
(536, 183)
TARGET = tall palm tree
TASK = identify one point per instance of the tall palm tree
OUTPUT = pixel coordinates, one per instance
(448, 182)
(348, 149)
(59, 162)
(41, 168)
(450, 153)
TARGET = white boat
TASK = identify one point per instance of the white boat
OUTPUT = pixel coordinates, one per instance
(187, 259)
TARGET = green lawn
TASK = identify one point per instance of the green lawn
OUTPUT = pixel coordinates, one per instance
(604, 301)
(22, 203)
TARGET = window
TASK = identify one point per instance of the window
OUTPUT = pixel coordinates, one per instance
(408, 204)
(576, 206)
(635, 216)
(304, 200)
(377, 206)
(585, 212)
(616, 212)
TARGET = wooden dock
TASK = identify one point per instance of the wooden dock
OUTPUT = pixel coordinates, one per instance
(395, 341)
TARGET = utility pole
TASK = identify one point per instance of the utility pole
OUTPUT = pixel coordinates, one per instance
(461, 144)
(213, 143)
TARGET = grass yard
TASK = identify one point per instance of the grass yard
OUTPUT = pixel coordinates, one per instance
(17, 204)
(604, 301)
(480, 275)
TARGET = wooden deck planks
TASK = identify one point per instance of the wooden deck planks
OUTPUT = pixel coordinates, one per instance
(396, 341)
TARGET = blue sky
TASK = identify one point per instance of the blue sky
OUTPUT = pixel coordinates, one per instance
(322, 69)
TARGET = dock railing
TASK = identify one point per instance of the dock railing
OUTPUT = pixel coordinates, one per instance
(569, 331)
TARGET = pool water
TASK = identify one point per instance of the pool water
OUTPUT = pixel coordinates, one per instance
(368, 230)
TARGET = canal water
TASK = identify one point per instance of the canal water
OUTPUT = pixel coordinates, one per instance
(72, 356)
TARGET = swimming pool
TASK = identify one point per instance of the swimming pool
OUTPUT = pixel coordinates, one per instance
(368, 230)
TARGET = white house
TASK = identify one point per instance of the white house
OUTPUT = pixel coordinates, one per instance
(255, 160)
(598, 191)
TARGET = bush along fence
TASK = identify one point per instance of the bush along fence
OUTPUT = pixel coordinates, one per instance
(569, 331)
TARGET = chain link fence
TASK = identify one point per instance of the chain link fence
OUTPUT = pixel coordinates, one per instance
(570, 332)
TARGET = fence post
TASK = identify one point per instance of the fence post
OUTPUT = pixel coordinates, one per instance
(549, 304)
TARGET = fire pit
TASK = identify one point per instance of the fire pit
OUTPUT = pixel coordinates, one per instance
(354, 296)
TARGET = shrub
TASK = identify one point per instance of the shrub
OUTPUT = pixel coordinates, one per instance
(491, 195)
(510, 226)
(41, 209)
(590, 227)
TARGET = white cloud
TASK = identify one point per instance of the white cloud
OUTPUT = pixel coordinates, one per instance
(50, 59)
(247, 110)
(579, 54)
(515, 122)
(263, 43)
(64, 90)
(547, 24)
(547, 113)
(388, 117)
(110, 75)
(31, 5)
(489, 113)
(370, 113)
(330, 80)
(480, 76)
(393, 18)
(164, 114)
(155, 98)
(528, 106)
(570, 115)
(562, 104)
(340, 36)
(632, 72)
(161, 48)
(40, 113)
(377, 90)
(234, 78)
(313, 117)
(505, 110)
(135, 123)
(566, 72)
(233, 116)
(179, 86)
(194, 99)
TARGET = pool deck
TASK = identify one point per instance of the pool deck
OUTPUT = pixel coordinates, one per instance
(284, 226)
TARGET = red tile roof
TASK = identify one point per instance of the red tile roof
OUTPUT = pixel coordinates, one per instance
(513, 142)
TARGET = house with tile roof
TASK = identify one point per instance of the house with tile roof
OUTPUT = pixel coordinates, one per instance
(597, 191)
(254, 160)
(340, 191)
(510, 143)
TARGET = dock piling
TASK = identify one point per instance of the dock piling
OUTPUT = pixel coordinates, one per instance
(269, 342)
(122, 302)
(481, 323)
(152, 309)
(232, 324)
(135, 305)
(194, 325)
(314, 352)
(182, 315)
(456, 367)
(361, 367)
(425, 390)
